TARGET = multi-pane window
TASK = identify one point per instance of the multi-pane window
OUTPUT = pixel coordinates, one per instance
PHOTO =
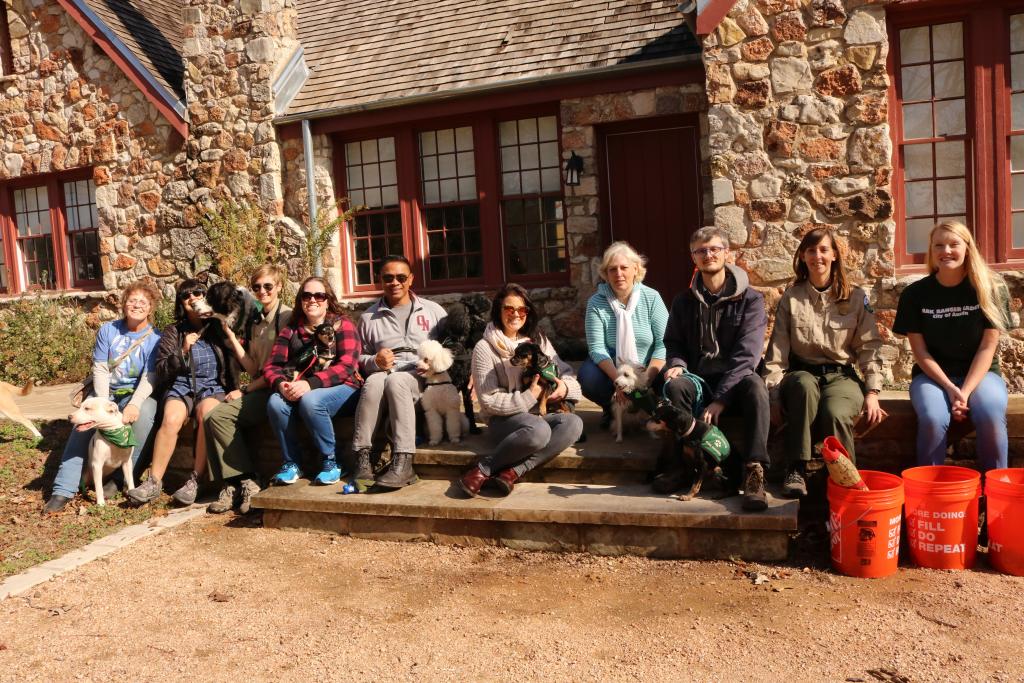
(371, 176)
(1016, 134)
(52, 236)
(935, 141)
(35, 244)
(451, 210)
(531, 207)
(82, 230)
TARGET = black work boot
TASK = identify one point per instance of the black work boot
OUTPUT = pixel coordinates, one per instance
(399, 474)
(362, 470)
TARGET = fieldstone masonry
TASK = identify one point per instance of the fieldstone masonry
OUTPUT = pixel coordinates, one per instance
(798, 137)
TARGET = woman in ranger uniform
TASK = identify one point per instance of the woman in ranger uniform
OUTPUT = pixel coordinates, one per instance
(822, 327)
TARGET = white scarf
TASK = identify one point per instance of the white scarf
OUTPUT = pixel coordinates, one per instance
(505, 346)
(625, 340)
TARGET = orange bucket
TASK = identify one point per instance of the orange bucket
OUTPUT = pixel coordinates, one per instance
(864, 526)
(1004, 492)
(942, 515)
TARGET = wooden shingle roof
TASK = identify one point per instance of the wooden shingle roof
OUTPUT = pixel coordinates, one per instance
(363, 51)
(151, 30)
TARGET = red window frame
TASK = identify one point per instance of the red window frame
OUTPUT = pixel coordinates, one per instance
(54, 184)
(411, 201)
(987, 115)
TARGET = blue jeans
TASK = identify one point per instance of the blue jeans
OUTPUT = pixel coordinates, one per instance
(987, 412)
(76, 451)
(317, 409)
(596, 385)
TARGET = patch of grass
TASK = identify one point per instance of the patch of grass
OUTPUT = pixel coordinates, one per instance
(27, 470)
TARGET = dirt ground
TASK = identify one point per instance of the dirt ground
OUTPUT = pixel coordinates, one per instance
(222, 598)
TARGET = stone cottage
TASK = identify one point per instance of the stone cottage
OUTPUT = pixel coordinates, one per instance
(452, 124)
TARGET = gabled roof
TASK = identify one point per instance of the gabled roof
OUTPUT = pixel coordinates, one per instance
(144, 40)
(366, 51)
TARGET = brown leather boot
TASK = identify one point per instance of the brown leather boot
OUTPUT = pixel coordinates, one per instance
(506, 480)
(400, 474)
(471, 481)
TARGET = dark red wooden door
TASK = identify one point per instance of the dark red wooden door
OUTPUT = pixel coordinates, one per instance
(653, 197)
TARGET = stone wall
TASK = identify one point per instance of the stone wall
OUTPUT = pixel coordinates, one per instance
(68, 106)
(798, 137)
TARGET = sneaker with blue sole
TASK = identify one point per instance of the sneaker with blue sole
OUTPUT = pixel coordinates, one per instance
(330, 474)
(288, 474)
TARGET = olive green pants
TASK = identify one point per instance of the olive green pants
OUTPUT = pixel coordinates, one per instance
(232, 434)
(817, 407)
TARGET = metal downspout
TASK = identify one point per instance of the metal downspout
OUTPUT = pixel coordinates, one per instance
(307, 152)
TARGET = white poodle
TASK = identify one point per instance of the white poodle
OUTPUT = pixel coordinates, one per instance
(631, 381)
(440, 397)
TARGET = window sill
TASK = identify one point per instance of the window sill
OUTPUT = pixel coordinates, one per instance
(79, 294)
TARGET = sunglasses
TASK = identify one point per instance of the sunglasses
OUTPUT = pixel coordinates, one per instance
(388, 278)
(267, 287)
(187, 294)
(319, 296)
(521, 311)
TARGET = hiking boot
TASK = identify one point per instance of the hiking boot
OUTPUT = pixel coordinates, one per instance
(362, 479)
(249, 488)
(330, 473)
(227, 499)
(400, 473)
(506, 481)
(471, 481)
(288, 474)
(186, 495)
(794, 486)
(146, 492)
(55, 504)
(671, 481)
(755, 499)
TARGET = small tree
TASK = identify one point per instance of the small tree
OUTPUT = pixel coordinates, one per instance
(241, 239)
(322, 232)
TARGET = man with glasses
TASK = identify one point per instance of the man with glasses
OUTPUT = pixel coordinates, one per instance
(391, 330)
(714, 340)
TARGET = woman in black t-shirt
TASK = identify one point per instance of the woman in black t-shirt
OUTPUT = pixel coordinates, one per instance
(953, 318)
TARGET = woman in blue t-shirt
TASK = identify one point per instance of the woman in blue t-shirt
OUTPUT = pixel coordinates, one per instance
(123, 368)
(953, 319)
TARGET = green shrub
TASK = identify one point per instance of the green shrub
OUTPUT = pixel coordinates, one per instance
(47, 340)
(163, 316)
(241, 240)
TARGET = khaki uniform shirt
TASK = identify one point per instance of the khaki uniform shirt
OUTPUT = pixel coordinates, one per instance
(264, 334)
(822, 331)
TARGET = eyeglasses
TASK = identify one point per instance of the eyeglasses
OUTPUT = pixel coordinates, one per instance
(137, 302)
(708, 251)
(521, 311)
(187, 294)
(388, 278)
(319, 296)
(267, 287)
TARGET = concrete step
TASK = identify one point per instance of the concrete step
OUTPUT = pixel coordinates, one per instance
(624, 519)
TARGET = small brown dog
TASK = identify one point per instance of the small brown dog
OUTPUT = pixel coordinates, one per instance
(10, 410)
(535, 363)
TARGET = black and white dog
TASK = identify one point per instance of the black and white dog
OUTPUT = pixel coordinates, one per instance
(464, 327)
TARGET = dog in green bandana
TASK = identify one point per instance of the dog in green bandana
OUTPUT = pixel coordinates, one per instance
(535, 363)
(112, 442)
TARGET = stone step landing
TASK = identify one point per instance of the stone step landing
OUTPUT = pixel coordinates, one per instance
(622, 519)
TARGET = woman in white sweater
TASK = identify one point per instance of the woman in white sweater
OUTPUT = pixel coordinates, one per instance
(523, 440)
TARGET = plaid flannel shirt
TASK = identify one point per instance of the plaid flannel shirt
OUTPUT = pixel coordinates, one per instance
(344, 369)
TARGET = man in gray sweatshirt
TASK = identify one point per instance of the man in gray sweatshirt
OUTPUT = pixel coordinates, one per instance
(391, 330)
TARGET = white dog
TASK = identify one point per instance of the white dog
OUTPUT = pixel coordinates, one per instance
(10, 410)
(633, 382)
(104, 456)
(442, 402)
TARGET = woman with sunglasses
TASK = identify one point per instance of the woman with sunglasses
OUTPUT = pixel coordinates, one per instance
(522, 439)
(122, 371)
(311, 382)
(231, 425)
(625, 323)
(197, 376)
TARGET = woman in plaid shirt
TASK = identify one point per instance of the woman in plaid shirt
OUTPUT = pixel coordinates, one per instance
(312, 380)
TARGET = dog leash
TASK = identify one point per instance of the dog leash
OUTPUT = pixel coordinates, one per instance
(701, 390)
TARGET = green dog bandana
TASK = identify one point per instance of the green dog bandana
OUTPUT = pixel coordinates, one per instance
(122, 437)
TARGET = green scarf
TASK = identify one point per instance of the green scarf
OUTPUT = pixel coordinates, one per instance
(122, 437)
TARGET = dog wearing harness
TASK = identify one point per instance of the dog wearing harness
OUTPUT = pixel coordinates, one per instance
(440, 400)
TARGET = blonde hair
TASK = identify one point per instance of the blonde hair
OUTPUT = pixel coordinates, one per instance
(268, 270)
(623, 249)
(979, 274)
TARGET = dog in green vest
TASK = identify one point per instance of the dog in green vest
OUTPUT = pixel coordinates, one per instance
(112, 442)
(633, 383)
(535, 363)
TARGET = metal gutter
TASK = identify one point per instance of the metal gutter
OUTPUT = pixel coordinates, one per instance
(548, 79)
(307, 152)
(173, 102)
